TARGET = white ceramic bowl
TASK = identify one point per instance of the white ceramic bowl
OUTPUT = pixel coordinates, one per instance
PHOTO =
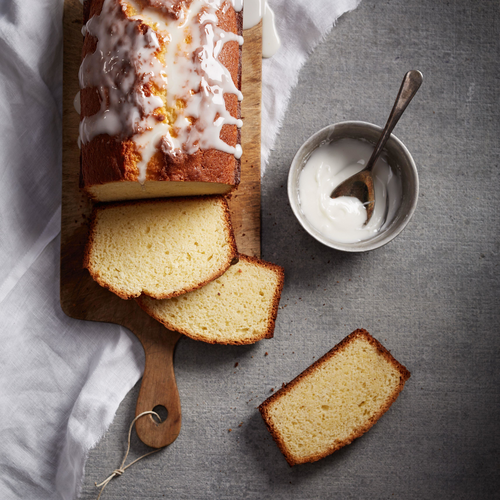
(398, 157)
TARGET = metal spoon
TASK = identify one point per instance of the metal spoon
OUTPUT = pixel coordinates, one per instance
(360, 185)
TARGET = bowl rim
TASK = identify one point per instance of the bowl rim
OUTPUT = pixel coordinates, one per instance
(300, 159)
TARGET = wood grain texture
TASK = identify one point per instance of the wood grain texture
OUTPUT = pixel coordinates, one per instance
(245, 202)
(82, 298)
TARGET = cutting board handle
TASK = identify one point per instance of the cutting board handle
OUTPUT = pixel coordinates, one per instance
(158, 386)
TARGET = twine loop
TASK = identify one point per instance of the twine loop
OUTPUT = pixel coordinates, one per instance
(121, 470)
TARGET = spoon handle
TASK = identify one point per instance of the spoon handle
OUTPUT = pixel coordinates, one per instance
(411, 83)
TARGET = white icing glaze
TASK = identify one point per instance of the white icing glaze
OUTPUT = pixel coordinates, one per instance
(76, 103)
(78, 108)
(112, 70)
(343, 219)
(270, 40)
(254, 11)
(125, 66)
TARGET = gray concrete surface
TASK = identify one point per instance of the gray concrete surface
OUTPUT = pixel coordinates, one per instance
(431, 296)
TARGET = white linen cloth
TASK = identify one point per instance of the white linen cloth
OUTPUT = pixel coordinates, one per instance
(61, 380)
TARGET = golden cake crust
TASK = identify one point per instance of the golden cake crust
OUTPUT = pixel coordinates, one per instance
(107, 159)
(264, 407)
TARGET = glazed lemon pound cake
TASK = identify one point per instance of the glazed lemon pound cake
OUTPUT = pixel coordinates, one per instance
(240, 307)
(335, 400)
(162, 248)
(160, 92)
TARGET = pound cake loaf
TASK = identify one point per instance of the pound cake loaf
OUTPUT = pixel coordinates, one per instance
(162, 248)
(160, 91)
(335, 400)
(240, 307)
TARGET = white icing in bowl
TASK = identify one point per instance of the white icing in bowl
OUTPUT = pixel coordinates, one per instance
(401, 163)
(343, 219)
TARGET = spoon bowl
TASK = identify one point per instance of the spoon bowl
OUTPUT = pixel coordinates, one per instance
(359, 186)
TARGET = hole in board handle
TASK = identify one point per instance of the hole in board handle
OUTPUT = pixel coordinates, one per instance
(162, 411)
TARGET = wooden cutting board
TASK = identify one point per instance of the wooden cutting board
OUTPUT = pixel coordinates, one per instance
(82, 298)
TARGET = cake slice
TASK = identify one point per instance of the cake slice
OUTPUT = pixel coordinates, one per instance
(334, 401)
(240, 307)
(161, 248)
